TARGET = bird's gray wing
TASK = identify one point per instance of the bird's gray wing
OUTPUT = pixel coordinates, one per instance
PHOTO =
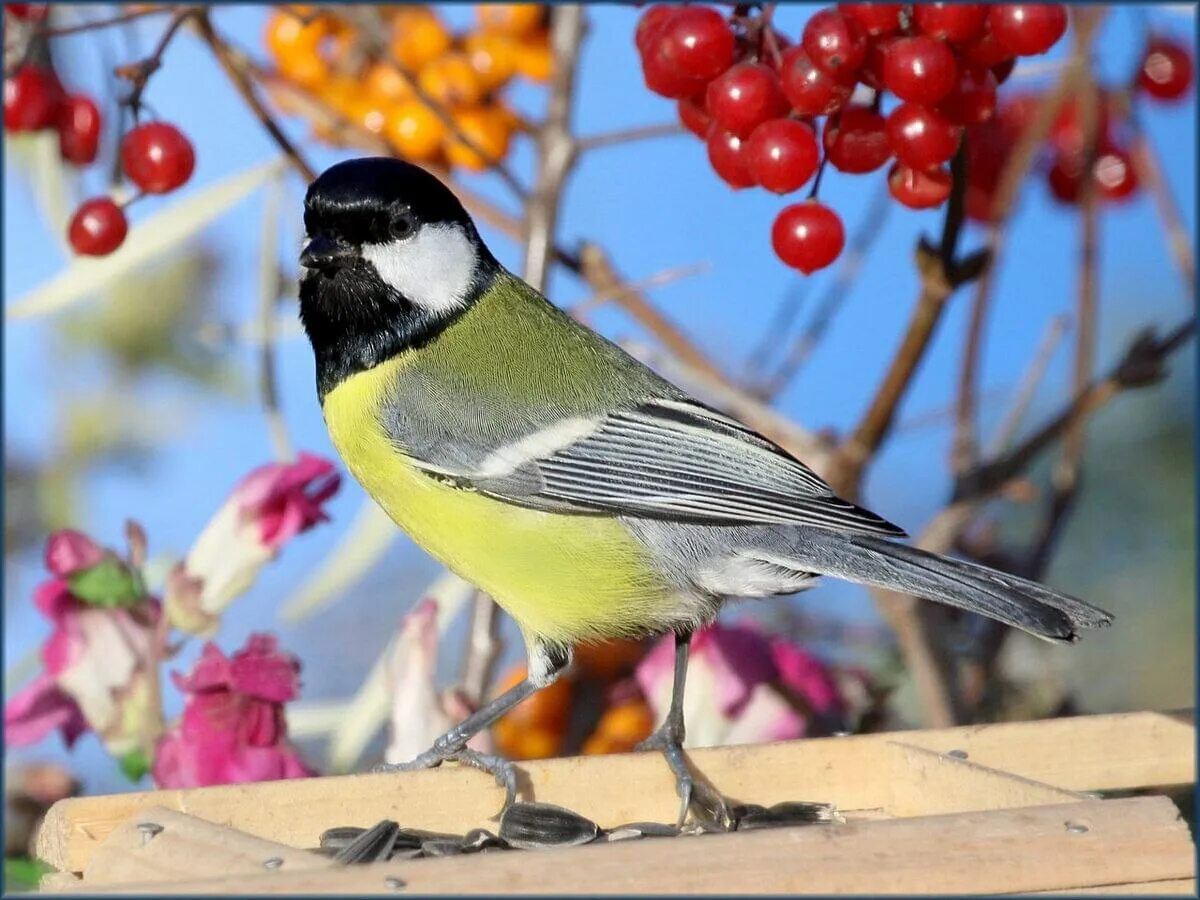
(664, 458)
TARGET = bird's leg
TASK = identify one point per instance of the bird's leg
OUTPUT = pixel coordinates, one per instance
(668, 739)
(546, 663)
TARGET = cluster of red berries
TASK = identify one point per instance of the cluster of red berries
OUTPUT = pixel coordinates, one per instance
(756, 99)
(1164, 74)
(156, 156)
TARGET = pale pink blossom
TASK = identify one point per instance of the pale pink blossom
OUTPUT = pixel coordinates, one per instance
(233, 728)
(266, 509)
(420, 711)
(98, 661)
(743, 687)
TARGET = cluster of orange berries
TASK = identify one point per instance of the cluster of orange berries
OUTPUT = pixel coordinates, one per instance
(538, 728)
(463, 75)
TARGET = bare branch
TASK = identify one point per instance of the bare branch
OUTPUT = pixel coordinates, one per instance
(964, 452)
(1149, 172)
(628, 136)
(1007, 430)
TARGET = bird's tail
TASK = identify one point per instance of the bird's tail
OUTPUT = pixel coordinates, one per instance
(1014, 601)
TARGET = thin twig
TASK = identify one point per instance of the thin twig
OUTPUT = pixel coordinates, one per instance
(628, 136)
(97, 24)
(849, 266)
(941, 272)
(598, 271)
(1143, 363)
(964, 450)
(1149, 172)
(1007, 430)
(237, 67)
(139, 73)
(483, 648)
(666, 276)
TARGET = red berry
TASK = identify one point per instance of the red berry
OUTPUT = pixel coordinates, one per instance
(727, 155)
(1114, 174)
(31, 99)
(973, 98)
(746, 95)
(919, 189)
(1166, 72)
(698, 41)
(29, 12)
(919, 69)
(950, 21)
(920, 137)
(98, 227)
(694, 116)
(650, 25)
(1027, 29)
(835, 42)
(855, 140)
(78, 130)
(1017, 112)
(874, 18)
(665, 79)
(157, 157)
(872, 71)
(989, 145)
(985, 51)
(1003, 69)
(1066, 133)
(782, 154)
(1064, 178)
(811, 90)
(808, 236)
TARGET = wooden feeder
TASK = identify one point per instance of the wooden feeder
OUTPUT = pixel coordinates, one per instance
(1007, 808)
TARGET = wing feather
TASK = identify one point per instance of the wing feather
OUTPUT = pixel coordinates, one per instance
(672, 459)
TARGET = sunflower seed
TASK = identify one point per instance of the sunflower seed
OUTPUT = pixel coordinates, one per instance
(791, 812)
(373, 845)
(532, 826)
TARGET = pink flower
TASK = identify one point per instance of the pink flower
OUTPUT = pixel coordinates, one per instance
(233, 728)
(421, 712)
(744, 687)
(98, 659)
(266, 509)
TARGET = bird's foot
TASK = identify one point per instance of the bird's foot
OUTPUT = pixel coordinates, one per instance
(696, 796)
(498, 767)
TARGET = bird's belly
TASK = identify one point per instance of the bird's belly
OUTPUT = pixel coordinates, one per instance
(566, 578)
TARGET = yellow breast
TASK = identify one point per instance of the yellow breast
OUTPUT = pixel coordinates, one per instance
(567, 578)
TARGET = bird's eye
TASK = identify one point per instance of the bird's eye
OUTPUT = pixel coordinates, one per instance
(403, 225)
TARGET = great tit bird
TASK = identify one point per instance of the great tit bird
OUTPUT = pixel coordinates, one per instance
(590, 497)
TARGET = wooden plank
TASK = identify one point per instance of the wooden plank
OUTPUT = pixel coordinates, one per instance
(186, 848)
(1172, 887)
(1128, 841)
(925, 783)
(854, 772)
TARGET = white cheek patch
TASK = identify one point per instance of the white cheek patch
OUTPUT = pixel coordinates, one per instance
(433, 269)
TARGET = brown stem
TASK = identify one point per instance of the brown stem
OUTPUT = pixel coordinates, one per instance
(1142, 364)
(941, 272)
(237, 67)
(628, 136)
(1007, 430)
(964, 452)
(1149, 172)
(139, 73)
(557, 149)
(97, 24)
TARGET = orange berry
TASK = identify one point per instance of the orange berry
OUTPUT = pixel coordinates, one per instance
(418, 37)
(547, 709)
(341, 92)
(515, 19)
(384, 83)
(451, 81)
(307, 69)
(609, 660)
(489, 131)
(534, 59)
(287, 35)
(493, 57)
(600, 745)
(367, 112)
(414, 130)
(630, 722)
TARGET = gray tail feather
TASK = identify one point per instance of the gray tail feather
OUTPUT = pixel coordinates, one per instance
(1024, 604)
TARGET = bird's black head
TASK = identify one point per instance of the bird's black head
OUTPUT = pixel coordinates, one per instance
(392, 258)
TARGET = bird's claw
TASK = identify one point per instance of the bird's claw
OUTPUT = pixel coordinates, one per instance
(696, 797)
(500, 768)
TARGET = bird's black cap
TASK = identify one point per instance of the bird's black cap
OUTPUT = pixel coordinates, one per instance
(360, 200)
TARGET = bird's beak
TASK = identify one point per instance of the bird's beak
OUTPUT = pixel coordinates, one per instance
(325, 252)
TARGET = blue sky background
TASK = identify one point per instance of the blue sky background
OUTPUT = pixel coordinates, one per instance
(654, 205)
